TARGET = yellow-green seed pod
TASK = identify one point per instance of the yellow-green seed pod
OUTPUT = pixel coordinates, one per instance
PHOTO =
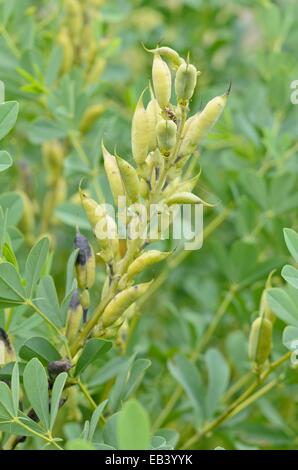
(85, 299)
(74, 316)
(145, 260)
(130, 179)
(68, 50)
(144, 188)
(27, 221)
(91, 114)
(185, 82)
(90, 206)
(162, 81)
(153, 114)
(85, 262)
(169, 54)
(60, 191)
(53, 158)
(185, 198)
(121, 302)
(113, 174)
(166, 131)
(140, 133)
(260, 340)
(7, 352)
(202, 123)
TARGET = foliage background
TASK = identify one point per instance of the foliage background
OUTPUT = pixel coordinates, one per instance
(249, 167)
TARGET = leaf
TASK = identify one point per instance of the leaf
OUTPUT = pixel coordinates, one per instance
(79, 444)
(110, 430)
(47, 300)
(13, 202)
(40, 348)
(36, 388)
(35, 263)
(94, 348)
(133, 427)
(43, 130)
(282, 305)
(291, 239)
(11, 289)
(290, 337)
(72, 215)
(290, 274)
(70, 271)
(8, 116)
(15, 388)
(218, 379)
(6, 402)
(5, 160)
(136, 375)
(119, 386)
(9, 255)
(56, 395)
(95, 418)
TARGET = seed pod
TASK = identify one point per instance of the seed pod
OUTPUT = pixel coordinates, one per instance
(185, 82)
(85, 262)
(169, 54)
(7, 353)
(185, 198)
(130, 179)
(113, 174)
(121, 302)
(140, 133)
(91, 114)
(74, 316)
(144, 260)
(162, 81)
(144, 188)
(56, 367)
(260, 340)
(27, 220)
(68, 50)
(153, 114)
(202, 123)
(53, 158)
(166, 136)
(85, 299)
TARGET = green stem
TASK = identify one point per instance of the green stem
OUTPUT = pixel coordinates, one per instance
(86, 393)
(49, 440)
(78, 147)
(43, 315)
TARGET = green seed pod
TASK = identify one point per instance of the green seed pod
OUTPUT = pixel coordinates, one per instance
(260, 340)
(162, 81)
(144, 260)
(91, 208)
(185, 198)
(121, 302)
(113, 174)
(166, 136)
(53, 158)
(140, 133)
(185, 82)
(74, 316)
(7, 352)
(144, 188)
(85, 299)
(68, 50)
(130, 179)
(153, 114)
(169, 54)
(27, 221)
(85, 262)
(91, 114)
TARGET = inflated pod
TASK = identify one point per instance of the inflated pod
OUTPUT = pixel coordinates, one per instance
(260, 340)
(130, 179)
(85, 299)
(90, 206)
(185, 82)
(27, 220)
(153, 114)
(85, 262)
(53, 158)
(202, 123)
(121, 302)
(166, 131)
(144, 261)
(74, 316)
(91, 114)
(7, 352)
(140, 133)
(169, 54)
(162, 81)
(185, 198)
(113, 174)
(68, 50)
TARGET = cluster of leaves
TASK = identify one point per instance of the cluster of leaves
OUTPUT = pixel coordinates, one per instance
(250, 164)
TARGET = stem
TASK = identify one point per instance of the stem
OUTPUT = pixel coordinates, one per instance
(45, 318)
(50, 440)
(9, 41)
(85, 391)
(78, 147)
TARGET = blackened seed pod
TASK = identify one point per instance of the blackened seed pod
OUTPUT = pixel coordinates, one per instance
(260, 340)
(74, 316)
(56, 367)
(166, 131)
(85, 262)
(185, 82)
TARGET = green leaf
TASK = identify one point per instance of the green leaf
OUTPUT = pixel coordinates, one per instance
(43, 130)
(79, 444)
(136, 375)
(95, 418)
(133, 427)
(282, 305)
(290, 337)
(72, 215)
(119, 386)
(110, 430)
(8, 116)
(9, 255)
(290, 274)
(5, 160)
(47, 300)
(40, 348)
(291, 239)
(11, 289)
(14, 203)
(56, 395)
(218, 379)
(15, 388)
(6, 402)
(36, 388)
(70, 271)
(35, 263)
(94, 348)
